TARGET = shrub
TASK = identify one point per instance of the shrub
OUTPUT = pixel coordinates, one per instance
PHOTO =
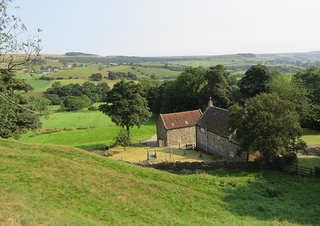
(68, 129)
(108, 153)
(93, 108)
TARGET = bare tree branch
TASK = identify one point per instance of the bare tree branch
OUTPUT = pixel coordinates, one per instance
(18, 104)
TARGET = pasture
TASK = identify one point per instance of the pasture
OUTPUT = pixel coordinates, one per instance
(89, 138)
(61, 185)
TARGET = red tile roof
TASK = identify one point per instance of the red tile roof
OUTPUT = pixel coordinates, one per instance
(180, 119)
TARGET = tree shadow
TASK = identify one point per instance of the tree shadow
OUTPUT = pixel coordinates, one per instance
(271, 196)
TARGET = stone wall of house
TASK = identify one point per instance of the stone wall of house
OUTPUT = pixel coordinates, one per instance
(217, 146)
(161, 133)
(181, 135)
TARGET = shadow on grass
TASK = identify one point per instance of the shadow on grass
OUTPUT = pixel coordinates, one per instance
(273, 196)
(89, 147)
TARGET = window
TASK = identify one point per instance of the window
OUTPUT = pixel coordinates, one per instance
(186, 122)
(202, 130)
(172, 123)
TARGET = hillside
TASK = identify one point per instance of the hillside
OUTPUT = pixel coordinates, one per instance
(58, 185)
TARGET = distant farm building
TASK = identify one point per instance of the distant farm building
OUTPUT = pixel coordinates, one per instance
(177, 128)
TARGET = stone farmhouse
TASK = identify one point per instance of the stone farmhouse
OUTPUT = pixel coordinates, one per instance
(177, 128)
(213, 135)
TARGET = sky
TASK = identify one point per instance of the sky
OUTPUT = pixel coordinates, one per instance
(172, 27)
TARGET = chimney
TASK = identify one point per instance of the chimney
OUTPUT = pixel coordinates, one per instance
(210, 104)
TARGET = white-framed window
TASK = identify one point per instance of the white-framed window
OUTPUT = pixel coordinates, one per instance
(202, 130)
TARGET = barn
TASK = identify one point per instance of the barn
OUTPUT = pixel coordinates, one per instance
(177, 128)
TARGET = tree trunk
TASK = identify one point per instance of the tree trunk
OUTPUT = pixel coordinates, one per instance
(128, 131)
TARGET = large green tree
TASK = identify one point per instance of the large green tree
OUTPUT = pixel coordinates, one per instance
(291, 90)
(270, 126)
(254, 81)
(310, 79)
(217, 87)
(15, 119)
(183, 93)
(125, 105)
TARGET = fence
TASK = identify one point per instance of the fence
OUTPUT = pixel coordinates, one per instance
(300, 170)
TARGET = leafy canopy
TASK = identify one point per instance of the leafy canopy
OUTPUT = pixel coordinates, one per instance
(270, 126)
(125, 105)
(15, 119)
(254, 81)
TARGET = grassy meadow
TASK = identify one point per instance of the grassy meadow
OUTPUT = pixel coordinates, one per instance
(60, 185)
(62, 178)
(89, 138)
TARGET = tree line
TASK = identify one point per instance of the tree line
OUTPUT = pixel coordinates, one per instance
(74, 96)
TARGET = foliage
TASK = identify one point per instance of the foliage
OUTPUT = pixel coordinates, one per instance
(293, 91)
(183, 93)
(96, 76)
(58, 92)
(254, 81)
(217, 88)
(125, 105)
(270, 126)
(75, 103)
(310, 80)
(15, 119)
(13, 51)
(122, 139)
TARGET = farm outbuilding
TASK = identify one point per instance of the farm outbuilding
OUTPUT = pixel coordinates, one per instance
(214, 136)
(177, 128)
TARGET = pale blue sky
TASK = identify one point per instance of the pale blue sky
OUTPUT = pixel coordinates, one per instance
(173, 27)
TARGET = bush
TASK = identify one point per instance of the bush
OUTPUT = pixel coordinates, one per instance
(68, 129)
(93, 108)
(108, 153)
(287, 159)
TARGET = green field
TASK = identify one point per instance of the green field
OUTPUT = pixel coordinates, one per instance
(60, 185)
(311, 137)
(86, 138)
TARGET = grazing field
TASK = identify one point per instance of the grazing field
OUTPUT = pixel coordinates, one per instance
(310, 162)
(312, 137)
(89, 138)
(59, 185)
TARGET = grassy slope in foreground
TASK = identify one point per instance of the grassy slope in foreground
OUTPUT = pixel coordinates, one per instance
(56, 185)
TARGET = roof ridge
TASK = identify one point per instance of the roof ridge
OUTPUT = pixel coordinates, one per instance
(182, 112)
